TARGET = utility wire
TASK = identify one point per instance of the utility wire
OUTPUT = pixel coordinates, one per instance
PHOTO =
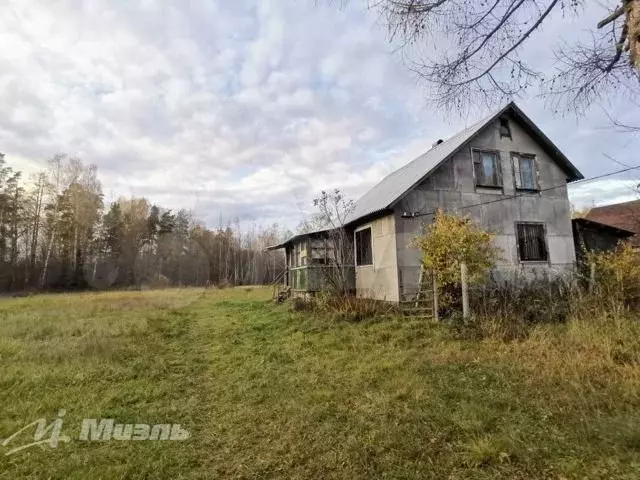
(511, 197)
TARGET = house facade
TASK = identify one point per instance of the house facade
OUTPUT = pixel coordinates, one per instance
(502, 171)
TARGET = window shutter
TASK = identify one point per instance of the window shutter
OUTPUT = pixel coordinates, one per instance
(498, 167)
(479, 171)
(516, 171)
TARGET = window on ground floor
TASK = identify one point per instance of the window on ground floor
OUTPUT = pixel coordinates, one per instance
(532, 242)
(364, 250)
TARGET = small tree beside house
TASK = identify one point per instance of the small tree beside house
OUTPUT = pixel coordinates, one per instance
(448, 243)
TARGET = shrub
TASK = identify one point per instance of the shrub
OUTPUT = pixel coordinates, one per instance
(351, 309)
(617, 276)
(160, 281)
(300, 304)
(222, 284)
(510, 310)
(449, 241)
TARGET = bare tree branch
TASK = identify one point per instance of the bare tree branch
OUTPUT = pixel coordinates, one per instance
(468, 52)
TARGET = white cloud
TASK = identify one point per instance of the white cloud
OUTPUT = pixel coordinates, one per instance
(244, 108)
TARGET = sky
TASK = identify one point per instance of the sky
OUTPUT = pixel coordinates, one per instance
(248, 108)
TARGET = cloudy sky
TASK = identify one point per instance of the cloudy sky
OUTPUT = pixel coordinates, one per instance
(244, 108)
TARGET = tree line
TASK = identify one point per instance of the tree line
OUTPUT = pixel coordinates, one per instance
(57, 233)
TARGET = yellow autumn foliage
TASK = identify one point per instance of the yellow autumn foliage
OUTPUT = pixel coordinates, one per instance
(451, 240)
(617, 273)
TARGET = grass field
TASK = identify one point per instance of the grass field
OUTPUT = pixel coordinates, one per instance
(266, 393)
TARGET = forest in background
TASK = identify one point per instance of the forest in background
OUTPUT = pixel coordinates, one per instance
(57, 233)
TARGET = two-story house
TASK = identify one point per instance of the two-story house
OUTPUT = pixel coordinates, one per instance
(503, 171)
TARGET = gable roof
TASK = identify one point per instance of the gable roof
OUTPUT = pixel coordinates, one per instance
(384, 194)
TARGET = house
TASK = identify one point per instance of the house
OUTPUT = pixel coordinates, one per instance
(625, 216)
(591, 236)
(503, 171)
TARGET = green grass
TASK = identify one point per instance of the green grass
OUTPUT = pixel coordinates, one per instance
(267, 393)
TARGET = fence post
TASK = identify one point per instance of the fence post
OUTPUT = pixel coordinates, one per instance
(435, 295)
(592, 277)
(465, 290)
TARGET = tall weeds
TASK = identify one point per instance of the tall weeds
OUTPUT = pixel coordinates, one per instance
(604, 292)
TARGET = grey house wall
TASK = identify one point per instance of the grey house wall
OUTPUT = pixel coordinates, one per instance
(452, 185)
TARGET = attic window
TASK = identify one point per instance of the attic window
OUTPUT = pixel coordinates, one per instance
(486, 166)
(505, 130)
(525, 171)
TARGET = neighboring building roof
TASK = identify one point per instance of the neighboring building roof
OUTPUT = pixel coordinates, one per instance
(393, 186)
(620, 215)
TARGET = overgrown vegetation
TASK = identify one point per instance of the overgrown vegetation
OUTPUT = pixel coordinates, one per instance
(449, 241)
(270, 393)
(606, 286)
(616, 276)
(347, 308)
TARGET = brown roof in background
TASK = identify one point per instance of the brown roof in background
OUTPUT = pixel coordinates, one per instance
(620, 215)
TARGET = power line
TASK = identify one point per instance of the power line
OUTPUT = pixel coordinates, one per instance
(511, 197)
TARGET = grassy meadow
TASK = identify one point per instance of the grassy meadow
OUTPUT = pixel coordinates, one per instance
(267, 393)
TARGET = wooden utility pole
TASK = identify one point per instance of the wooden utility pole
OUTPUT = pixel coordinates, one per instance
(435, 295)
(465, 290)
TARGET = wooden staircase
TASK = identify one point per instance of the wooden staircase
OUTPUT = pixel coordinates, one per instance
(417, 300)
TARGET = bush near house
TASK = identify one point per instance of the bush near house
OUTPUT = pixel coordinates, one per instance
(617, 275)
(446, 243)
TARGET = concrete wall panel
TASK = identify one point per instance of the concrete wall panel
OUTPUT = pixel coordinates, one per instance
(380, 280)
(452, 188)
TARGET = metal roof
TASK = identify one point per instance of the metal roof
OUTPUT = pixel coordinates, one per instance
(393, 186)
(296, 237)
